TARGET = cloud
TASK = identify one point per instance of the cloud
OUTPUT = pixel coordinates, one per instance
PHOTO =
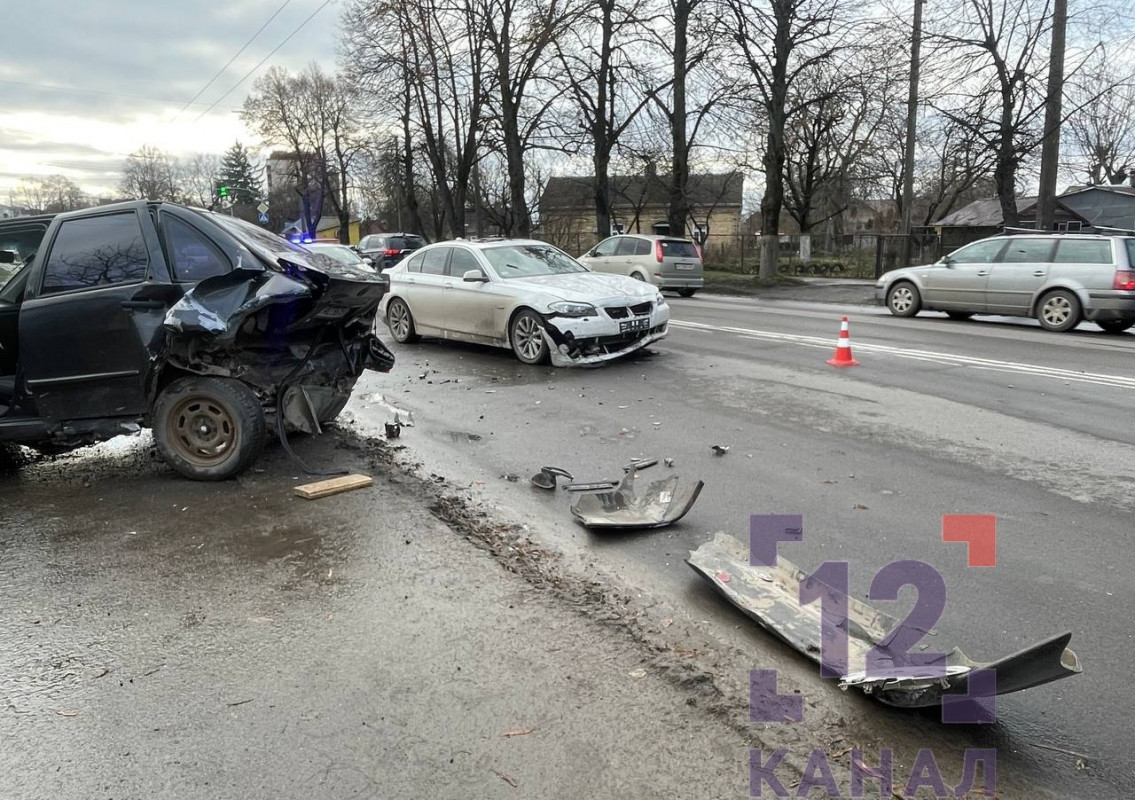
(101, 79)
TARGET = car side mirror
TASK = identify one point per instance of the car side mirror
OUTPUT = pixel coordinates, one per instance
(947, 262)
(7, 256)
(475, 276)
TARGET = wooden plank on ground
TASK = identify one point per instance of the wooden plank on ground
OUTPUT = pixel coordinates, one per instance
(314, 491)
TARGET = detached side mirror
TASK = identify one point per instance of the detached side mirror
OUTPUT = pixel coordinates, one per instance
(7, 256)
(475, 276)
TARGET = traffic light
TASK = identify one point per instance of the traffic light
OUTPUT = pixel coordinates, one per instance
(222, 190)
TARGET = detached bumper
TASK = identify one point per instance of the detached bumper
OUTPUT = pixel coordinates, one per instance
(576, 342)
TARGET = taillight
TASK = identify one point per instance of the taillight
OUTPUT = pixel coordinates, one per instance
(1125, 280)
(658, 251)
(390, 252)
(697, 247)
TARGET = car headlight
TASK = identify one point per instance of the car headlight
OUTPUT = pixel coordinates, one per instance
(659, 300)
(573, 309)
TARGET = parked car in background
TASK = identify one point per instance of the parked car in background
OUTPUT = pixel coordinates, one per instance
(665, 261)
(1061, 279)
(344, 254)
(387, 249)
(525, 295)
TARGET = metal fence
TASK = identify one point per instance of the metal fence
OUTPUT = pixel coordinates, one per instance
(857, 255)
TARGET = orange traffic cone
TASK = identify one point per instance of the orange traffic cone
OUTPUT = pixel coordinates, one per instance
(843, 357)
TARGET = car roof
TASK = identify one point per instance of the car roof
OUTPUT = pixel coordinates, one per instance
(655, 237)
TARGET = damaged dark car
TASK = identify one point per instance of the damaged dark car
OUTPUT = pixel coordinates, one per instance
(207, 329)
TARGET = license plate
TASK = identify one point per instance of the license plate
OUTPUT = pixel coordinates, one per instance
(683, 266)
(637, 324)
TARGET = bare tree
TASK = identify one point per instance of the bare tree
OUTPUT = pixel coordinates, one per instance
(776, 42)
(1101, 127)
(150, 174)
(198, 179)
(50, 194)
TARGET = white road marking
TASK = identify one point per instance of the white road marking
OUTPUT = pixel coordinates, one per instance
(946, 359)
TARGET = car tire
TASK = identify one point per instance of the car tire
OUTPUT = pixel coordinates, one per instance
(960, 316)
(687, 292)
(903, 299)
(638, 276)
(209, 429)
(1115, 325)
(401, 322)
(1059, 311)
(526, 335)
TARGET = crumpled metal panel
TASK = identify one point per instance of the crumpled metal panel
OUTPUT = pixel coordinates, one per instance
(770, 596)
(636, 503)
(217, 306)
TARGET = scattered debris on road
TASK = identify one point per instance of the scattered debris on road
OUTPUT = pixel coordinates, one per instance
(517, 732)
(504, 776)
(546, 477)
(660, 504)
(320, 489)
(393, 430)
(719, 449)
(771, 597)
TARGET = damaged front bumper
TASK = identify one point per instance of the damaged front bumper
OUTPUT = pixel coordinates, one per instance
(771, 597)
(584, 341)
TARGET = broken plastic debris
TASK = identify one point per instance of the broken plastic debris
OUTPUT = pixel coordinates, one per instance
(636, 503)
(719, 449)
(546, 477)
(771, 597)
(393, 430)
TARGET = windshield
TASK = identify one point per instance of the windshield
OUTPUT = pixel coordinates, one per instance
(531, 260)
(344, 255)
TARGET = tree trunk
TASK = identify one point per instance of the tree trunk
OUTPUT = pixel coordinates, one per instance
(777, 100)
(680, 166)
(601, 126)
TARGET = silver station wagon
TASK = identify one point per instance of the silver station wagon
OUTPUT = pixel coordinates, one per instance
(1058, 279)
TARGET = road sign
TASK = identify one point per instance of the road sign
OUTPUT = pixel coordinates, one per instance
(263, 218)
(263, 209)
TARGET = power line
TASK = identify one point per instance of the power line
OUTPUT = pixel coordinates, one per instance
(90, 91)
(228, 64)
(259, 65)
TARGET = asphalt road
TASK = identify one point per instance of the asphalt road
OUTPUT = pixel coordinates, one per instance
(992, 417)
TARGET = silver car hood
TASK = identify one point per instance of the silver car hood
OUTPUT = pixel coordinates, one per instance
(585, 287)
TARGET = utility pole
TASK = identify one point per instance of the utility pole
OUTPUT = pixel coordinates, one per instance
(911, 131)
(1050, 148)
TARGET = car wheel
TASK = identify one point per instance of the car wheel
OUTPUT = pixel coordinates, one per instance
(209, 429)
(687, 292)
(638, 276)
(961, 316)
(1115, 325)
(400, 322)
(526, 334)
(903, 299)
(1058, 311)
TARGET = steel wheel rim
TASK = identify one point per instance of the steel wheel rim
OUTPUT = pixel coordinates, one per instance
(400, 317)
(902, 299)
(529, 338)
(203, 431)
(1057, 310)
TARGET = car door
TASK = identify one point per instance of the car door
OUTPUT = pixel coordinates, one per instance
(957, 282)
(92, 316)
(428, 302)
(473, 310)
(1020, 270)
(602, 257)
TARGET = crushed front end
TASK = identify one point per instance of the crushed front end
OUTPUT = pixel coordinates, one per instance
(581, 335)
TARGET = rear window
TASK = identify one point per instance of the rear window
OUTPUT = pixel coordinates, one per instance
(673, 248)
(405, 243)
(1083, 251)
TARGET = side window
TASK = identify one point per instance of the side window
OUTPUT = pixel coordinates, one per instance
(642, 247)
(192, 257)
(608, 247)
(96, 251)
(462, 261)
(979, 252)
(433, 261)
(1083, 251)
(1035, 249)
(627, 246)
(414, 263)
(364, 243)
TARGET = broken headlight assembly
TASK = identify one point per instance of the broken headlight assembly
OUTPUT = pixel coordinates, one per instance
(567, 309)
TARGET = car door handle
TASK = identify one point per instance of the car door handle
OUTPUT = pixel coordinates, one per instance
(1040, 273)
(981, 273)
(143, 305)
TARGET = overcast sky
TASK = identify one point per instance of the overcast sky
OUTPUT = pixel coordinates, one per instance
(129, 67)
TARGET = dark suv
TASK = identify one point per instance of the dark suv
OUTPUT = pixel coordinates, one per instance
(387, 249)
(207, 329)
